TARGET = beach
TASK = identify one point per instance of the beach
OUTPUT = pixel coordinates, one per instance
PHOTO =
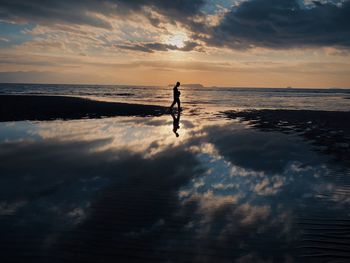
(107, 180)
(30, 107)
(175, 131)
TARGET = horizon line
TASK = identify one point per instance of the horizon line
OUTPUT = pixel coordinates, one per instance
(166, 85)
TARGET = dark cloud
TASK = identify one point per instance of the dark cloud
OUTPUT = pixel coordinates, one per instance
(183, 7)
(152, 47)
(83, 12)
(283, 24)
(52, 12)
(264, 23)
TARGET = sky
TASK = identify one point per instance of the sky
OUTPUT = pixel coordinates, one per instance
(238, 43)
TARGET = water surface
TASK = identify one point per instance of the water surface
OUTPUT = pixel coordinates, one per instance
(126, 189)
(204, 99)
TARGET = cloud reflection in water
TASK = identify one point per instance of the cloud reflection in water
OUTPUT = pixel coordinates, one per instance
(128, 189)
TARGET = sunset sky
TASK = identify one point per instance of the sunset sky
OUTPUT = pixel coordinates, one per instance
(245, 43)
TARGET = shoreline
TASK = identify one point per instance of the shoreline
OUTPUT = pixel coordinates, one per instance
(328, 130)
(44, 108)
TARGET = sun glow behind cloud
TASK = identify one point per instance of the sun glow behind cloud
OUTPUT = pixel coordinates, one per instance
(177, 39)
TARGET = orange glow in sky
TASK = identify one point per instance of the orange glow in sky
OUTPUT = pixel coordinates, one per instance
(214, 43)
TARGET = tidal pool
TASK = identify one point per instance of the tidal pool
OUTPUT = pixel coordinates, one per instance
(127, 189)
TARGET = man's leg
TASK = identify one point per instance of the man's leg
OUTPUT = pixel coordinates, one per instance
(178, 105)
(172, 105)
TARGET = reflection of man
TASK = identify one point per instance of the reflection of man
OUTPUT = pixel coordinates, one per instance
(176, 94)
(176, 122)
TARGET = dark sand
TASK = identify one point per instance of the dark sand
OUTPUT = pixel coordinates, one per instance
(330, 130)
(29, 107)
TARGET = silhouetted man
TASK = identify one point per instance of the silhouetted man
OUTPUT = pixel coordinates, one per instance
(176, 94)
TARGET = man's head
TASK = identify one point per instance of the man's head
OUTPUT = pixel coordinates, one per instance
(177, 84)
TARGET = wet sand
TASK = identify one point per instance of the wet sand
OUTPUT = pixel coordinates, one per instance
(327, 129)
(29, 107)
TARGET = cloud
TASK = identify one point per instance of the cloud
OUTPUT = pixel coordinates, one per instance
(52, 12)
(283, 24)
(4, 39)
(243, 25)
(152, 47)
(92, 12)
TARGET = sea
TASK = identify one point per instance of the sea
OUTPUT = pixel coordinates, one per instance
(198, 97)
